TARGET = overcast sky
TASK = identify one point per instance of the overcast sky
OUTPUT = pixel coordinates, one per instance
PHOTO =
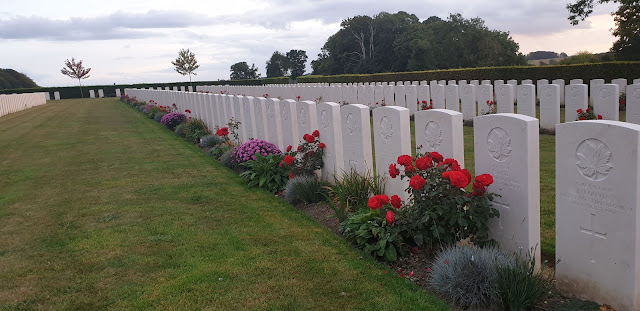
(135, 41)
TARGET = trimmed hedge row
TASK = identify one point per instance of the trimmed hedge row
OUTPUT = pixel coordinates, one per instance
(586, 72)
(110, 90)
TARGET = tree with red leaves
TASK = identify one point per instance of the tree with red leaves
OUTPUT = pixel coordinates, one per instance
(76, 71)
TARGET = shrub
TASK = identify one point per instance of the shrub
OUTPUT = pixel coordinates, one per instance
(194, 129)
(250, 149)
(307, 189)
(308, 156)
(159, 115)
(356, 189)
(374, 231)
(265, 172)
(180, 130)
(220, 149)
(440, 211)
(209, 141)
(467, 275)
(173, 119)
(227, 159)
(519, 286)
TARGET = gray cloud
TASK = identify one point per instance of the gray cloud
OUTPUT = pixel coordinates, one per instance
(118, 25)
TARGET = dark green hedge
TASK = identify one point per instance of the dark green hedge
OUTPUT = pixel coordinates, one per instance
(110, 90)
(586, 72)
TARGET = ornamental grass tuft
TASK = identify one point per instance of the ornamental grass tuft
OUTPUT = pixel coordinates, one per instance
(305, 189)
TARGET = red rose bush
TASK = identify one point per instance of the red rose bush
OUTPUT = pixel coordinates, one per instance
(307, 158)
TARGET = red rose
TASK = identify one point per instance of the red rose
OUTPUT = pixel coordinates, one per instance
(391, 218)
(383, 198)
(393, 171)
(466, 174)
(478, 189)
(417, 182)
(588, 109)
(310, 139)
(583, 118)
(376, 202)
(437, 157)
(405, 160)
(424, 163)
(409, 169)
(457, 178)
(623, 102)
(321, 145)
(453, 164)
(289, 159)
(187, 111)
(291, 175)
(579, 111)
(289, 148)
(484, 179)
(396, 202)
(599, 117)
(316, 133)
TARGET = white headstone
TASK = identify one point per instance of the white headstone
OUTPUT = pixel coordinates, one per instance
(56, 95)
(462, 82)
(485, 95)
(182, 88)
(274, 123)
(92, 94)
(560, 83)
(485, 82)
(636, 81)
(260, 118)
(597, 240)
(549, 106)
(504, 98)
(575, 81)
(356, 139)
(622, 84)
(118, 94)
(190, 88)
(540, 83)
(527, 100)
(468, 101)
(329, 126)
(423, 95)
(575, 98)
(474, 82)
(438, 96)
(47, 96)
(101, 93)
(400, 96)
(452, 97)
(389, 91)
(527, 81)
(289, 119)
(507, 147)
(378, 96)
(159, 88)
(440, 130)
(606, 101)
(412, 98)
(366, 95)
(307, 117)
(592, 84)
(633, 103)
(392, 139)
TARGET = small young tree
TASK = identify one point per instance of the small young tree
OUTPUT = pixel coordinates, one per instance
(186, 63)
(75, 71)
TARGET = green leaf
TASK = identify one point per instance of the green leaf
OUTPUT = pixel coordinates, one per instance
(391, 254)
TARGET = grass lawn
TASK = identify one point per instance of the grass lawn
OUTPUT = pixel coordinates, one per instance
(101, 208)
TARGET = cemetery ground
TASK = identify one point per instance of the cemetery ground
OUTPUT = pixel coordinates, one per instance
(101, 208)
(105, 209)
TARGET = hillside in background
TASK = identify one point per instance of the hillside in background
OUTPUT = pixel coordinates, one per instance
(11, 79)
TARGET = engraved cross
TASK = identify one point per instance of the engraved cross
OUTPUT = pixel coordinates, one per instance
(590, 230)
(502, 207)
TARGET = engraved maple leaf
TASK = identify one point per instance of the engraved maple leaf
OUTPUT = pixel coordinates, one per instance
(594, 159)
(432, 136)
(499, 145)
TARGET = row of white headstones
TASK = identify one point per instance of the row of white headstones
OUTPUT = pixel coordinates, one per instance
(597, 169)
(18, 102)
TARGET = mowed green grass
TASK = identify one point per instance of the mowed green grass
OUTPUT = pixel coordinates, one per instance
(101, 208)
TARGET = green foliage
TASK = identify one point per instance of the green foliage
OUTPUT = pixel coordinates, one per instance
(582, 57)
(352, 191)
(151, 112)
(227, 160)
(606, 70)
(577, 305)
(265, 173)
(186, 63)
(241, 70)
(11, 79)
(180, 129)
(440, 212)
(219, 150)
(307, 158)
(158, 116)
(278, 65)
(467, 275)
(519, 286)
(400, 42)
(306, 189)
(209, 141)
(194, 129)
(542, 55)
(370, 232)
(297, 62)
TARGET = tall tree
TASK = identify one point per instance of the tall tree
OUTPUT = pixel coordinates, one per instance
(627, 19)
(76, 71)
(241, 70)
(278, 65)
(297, 62)
(186, 63)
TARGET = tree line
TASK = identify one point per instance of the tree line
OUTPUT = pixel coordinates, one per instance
(11, 79)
